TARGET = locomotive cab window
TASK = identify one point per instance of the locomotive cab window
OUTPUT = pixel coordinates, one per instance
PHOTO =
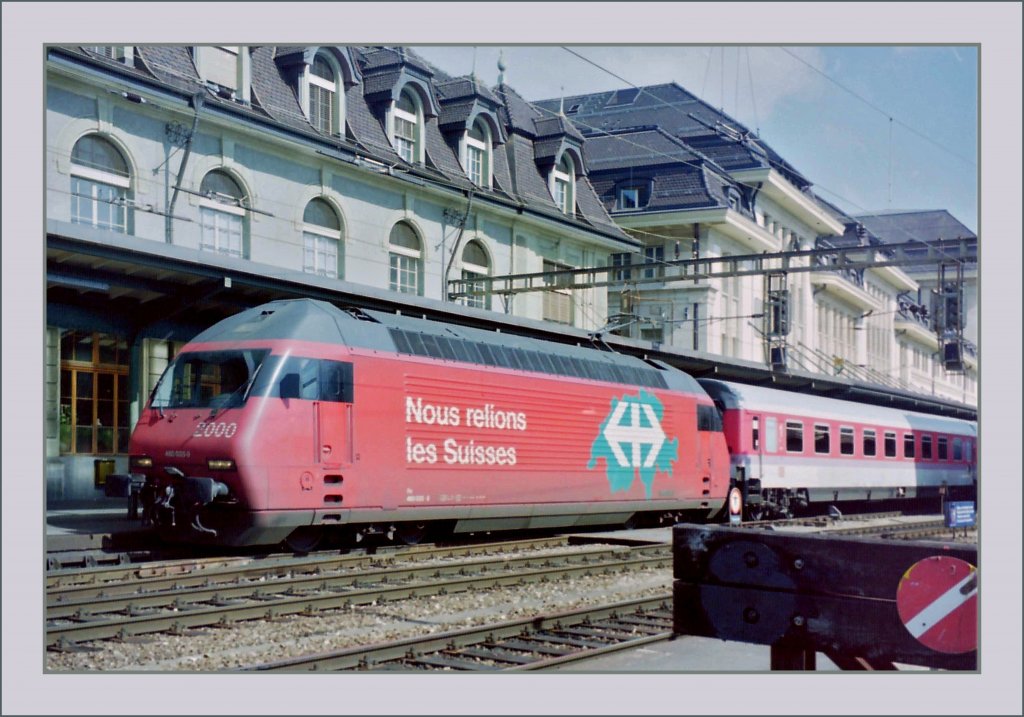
(869, 442)
(846, 441)
(314, 380)
(794, 436)
(926, 447)
(708, 418)
(208, 379)
(890, 444)
(908, 445)
(822, 442)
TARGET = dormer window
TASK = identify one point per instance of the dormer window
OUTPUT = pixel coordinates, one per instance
(407, 127)
(326, 106)
(225, 66)
(563, 185)
(629, 198)
(477, 154)
(121, 53)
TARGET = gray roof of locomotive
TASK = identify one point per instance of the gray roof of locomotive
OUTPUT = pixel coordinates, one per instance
(322, 322)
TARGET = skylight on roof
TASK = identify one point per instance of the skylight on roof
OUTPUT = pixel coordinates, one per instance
(623, 97)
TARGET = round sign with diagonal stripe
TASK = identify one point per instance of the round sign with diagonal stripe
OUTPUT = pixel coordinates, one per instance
(937, 600)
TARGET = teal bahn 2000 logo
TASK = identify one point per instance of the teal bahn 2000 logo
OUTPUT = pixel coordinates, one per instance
(632, 442)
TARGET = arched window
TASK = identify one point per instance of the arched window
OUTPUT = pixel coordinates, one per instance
(406, 260)
(321, 238)
(326, 96)
(563, 184)
(100, 183)
(407, 124)
(475, 263)
(477, 154)
(222, 215)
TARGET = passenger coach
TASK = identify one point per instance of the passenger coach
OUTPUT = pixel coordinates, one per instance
(789, 449)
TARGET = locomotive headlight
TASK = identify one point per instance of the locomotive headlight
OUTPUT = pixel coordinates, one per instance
(220, 464)
(140, 462)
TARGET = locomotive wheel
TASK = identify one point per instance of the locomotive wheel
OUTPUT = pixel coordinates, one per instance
(411, 533)
(304, 539)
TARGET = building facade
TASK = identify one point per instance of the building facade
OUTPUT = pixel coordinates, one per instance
(315, 166)
(691, 182)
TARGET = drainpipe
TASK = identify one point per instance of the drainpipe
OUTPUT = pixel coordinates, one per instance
(197, 104)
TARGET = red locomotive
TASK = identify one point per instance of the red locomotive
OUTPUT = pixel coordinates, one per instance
(298, 419)
(294, 418)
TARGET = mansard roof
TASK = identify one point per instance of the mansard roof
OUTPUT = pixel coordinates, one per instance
(525, 136)
(679, 113)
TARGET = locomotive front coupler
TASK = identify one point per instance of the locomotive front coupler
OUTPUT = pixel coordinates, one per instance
(195, 493)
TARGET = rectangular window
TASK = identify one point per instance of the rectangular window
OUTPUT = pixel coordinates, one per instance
(755, 432)
(822, 442)
(558, 304)
(654, 260)
(320, 255)
(968, 449)
(221, 232)
(97, 204)
(890, 444)
(405, 138)
(926, 446)
(622, 260)
(629, 198)
(475, 160)
(320, 111)
(771, 435)
(404, 276)
(958, 449)
(794, 437)
(846, 441)
(943, 448)
(93, 405)
(480, 301)
(869, 442)
(908, 445)
(219, 64)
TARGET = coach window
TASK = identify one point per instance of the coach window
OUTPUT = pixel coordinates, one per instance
(822, 443)
(222, 214)
(968, 449)
(93, 393)
(926, 446)
(755, 432)
(908, 445)
(406, 260)
(869, 442)
(890, 444)
(321, 239)
(99, 185)
(475, 264)
(958, 449)
(794, 436)
(846, 441)
(943, 448)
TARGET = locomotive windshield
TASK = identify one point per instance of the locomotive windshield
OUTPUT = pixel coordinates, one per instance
(208, 379)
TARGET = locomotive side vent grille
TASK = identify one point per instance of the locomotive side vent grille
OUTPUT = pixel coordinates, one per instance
(332, 498)
(478, 352)
(333, 479)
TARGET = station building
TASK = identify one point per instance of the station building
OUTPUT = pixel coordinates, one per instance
(688, 181)
(186, 183)
(316, 167)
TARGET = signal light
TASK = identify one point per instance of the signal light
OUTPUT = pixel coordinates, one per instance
(140, 462)
(220, 464)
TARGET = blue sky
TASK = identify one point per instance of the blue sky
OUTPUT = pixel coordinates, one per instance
(873, 127)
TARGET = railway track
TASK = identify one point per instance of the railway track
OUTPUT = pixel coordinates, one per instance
(270, 592)
(535, 643)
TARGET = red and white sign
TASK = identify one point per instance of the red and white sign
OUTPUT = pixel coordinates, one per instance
(735, 505)
(937, 600)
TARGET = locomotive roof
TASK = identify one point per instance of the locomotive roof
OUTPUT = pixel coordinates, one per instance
(744, 396)
(319, 321)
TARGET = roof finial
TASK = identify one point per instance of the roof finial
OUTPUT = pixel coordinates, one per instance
(501, 67)
(561, 103)
(472, 73)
